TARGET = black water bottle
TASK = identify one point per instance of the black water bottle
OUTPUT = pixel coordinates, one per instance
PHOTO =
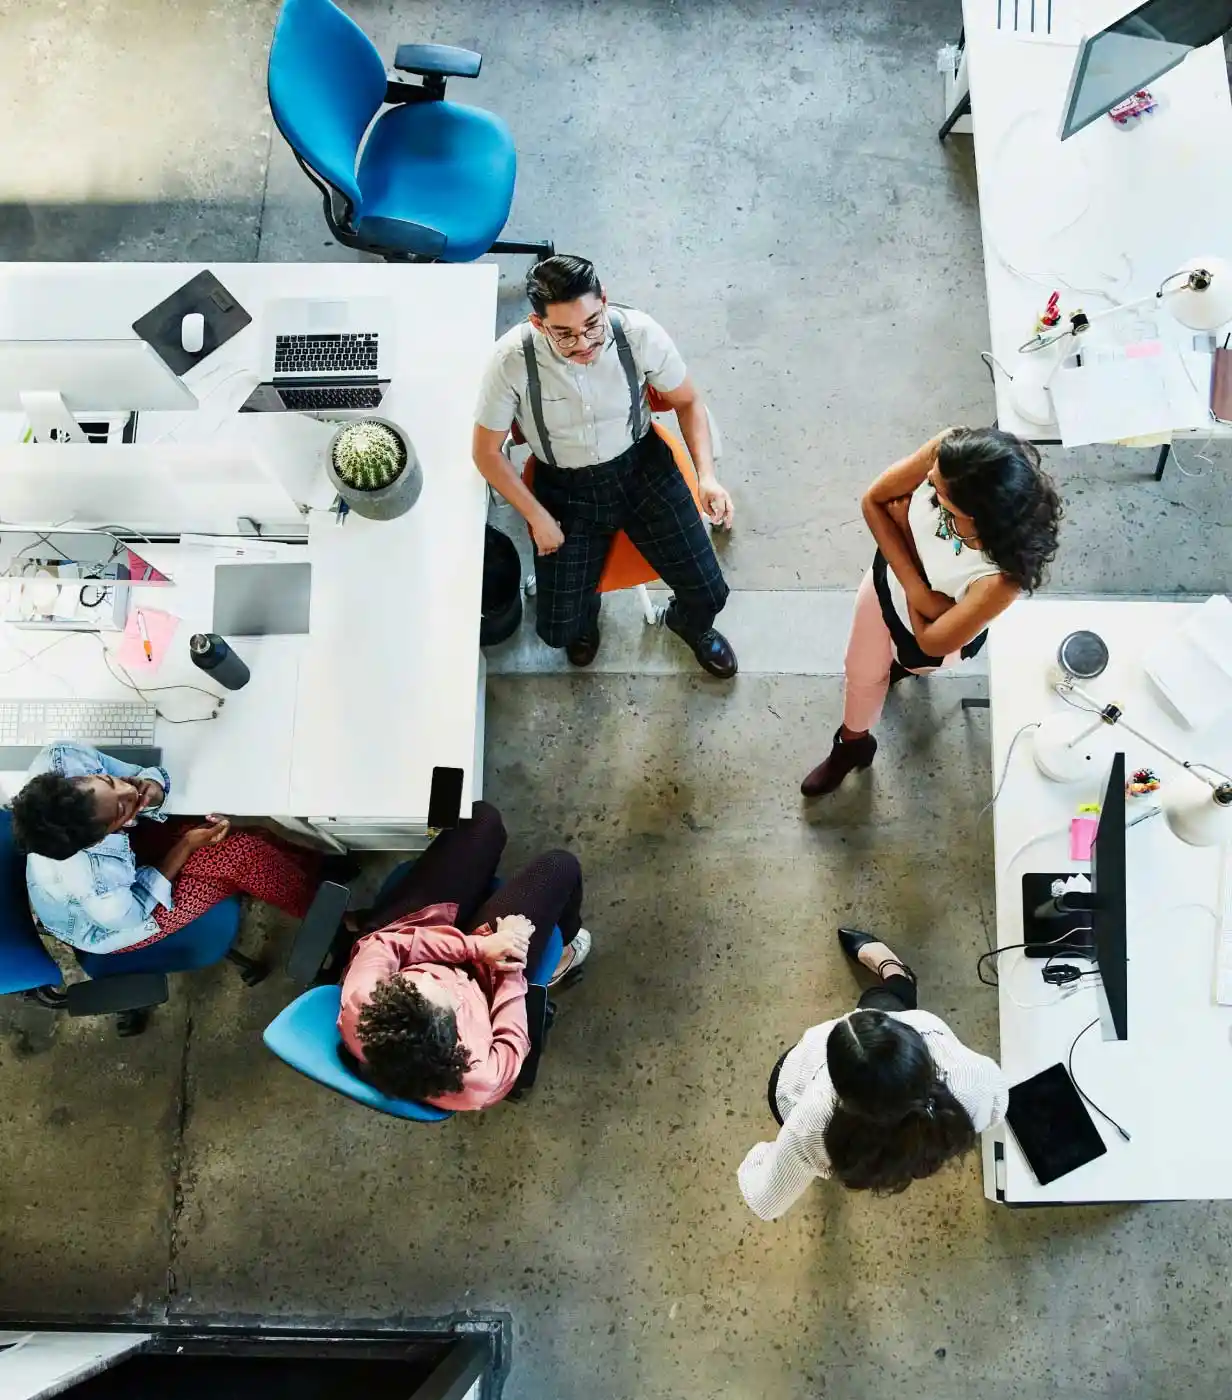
(212, 655)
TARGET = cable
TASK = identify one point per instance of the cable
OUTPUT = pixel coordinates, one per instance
(1069, 1063)
(1005, 769)
(145, 692)
(1009, 948)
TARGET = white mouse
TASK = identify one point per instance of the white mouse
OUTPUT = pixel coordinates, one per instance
(192, 333)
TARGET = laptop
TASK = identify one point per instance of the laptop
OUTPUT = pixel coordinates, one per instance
(324, 356)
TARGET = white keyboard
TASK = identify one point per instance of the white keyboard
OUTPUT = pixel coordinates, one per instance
(99, 722)
(1223, 932)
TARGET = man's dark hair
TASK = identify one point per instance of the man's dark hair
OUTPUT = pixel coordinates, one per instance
(411, 1048)
(562, 277)
(896, 1120)
(56, 817)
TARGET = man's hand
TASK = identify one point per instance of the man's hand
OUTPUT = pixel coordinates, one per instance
(212, 830)
(152, 794)
(505, 949)
(716, 503)
(547, 534)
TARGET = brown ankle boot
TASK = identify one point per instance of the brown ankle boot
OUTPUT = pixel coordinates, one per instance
(845, 756)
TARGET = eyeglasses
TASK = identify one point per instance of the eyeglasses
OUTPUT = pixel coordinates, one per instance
(592, 332)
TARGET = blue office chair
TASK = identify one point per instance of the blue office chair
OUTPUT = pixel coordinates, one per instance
(433, 181)
(305, 1034)
(125, 983)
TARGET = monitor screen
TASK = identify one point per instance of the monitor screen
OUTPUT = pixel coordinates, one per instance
(1108, 904)
(1135, 51)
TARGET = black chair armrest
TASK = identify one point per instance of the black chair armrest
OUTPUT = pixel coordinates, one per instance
(438, 61)
(127, 991)
(315, 939)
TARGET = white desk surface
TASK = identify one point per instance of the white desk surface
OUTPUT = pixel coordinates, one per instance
(1105, 216)
(348, 721)
(1170, 1082)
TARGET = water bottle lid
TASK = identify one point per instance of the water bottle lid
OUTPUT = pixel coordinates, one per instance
(200, 643)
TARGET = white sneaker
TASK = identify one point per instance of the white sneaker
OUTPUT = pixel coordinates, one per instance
(580, 951)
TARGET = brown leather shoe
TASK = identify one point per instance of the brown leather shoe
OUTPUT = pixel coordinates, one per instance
(845, 757)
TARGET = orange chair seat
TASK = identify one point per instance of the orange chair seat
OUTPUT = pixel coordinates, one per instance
(626, 565)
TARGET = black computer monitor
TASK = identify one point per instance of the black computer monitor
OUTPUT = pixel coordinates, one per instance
(1108, 902)
(1134, 51)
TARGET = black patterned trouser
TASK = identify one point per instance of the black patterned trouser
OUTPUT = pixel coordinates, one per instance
(642, 493)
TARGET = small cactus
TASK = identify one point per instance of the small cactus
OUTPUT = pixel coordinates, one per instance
(368, 456)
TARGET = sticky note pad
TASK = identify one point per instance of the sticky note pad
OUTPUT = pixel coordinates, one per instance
(1081, 837)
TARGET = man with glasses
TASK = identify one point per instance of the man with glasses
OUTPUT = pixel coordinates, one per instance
(574, 376)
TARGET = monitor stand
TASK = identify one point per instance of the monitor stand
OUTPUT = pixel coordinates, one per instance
(1060, 926)
(51, 421)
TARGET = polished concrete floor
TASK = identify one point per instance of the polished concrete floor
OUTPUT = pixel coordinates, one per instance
(765, 178)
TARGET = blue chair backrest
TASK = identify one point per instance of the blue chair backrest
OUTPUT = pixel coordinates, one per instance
(24, 962)
(326, 83)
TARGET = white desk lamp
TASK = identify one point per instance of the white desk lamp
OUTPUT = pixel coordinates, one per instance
(1201, 299)
(1197, 808)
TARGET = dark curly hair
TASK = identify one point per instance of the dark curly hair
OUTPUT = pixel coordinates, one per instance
(56, 817)
(997, 480)
(411, 1048)
(896, 1121)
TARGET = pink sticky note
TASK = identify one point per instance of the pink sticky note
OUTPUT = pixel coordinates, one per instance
(161, 627)
(1144, 350)
(1081, 836)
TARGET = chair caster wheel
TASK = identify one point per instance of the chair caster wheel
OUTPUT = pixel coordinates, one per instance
(53, 998)
(130, 1023)
(530, 585)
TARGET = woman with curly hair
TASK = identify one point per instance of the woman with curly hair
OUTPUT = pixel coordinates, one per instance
(434, 997)
(963, 526)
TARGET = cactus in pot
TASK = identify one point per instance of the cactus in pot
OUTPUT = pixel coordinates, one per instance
(374, 469)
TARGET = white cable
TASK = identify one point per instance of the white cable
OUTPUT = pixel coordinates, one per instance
(146, 691)
(1005, 768)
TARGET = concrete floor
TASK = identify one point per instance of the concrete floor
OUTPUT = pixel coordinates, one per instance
(766, 180)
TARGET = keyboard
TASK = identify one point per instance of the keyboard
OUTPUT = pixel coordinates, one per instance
(122, 728)
(337, 396)
(349, 353)
(1223, 932)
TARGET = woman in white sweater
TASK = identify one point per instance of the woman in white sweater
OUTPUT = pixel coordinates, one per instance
(876, 1099)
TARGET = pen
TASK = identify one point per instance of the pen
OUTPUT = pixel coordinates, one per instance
(145, 637)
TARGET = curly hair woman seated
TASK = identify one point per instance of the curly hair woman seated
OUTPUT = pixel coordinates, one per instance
(435, 1014)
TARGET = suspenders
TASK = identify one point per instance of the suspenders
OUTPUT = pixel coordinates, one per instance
(534, 385)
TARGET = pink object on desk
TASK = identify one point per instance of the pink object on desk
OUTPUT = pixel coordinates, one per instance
(161, 627)
(1081, 837)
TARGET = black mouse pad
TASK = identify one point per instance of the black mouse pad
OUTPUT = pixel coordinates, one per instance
(224, 317)
(1048, 1117)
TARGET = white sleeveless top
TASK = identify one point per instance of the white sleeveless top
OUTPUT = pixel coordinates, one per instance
(947, 572)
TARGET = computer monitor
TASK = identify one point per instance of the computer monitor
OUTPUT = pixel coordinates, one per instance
(1108, 904)
(51, 380)
(1134, 51)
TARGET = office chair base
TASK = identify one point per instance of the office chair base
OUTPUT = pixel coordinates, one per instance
(251, 971)
(544, 250)
(53, 998)
(130, 1023)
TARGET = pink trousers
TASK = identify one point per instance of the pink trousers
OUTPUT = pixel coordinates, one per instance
(870, 649)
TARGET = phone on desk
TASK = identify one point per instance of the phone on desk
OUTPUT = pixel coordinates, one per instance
(445, 798)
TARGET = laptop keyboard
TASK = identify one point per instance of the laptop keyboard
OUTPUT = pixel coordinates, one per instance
(335, 396)
(350, 353)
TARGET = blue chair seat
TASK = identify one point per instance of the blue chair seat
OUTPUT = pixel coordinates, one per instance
(204, 942)
(442, 166)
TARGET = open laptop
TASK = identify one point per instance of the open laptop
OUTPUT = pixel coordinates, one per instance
(324, 356)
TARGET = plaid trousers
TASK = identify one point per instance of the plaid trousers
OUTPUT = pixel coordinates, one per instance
(642, 493)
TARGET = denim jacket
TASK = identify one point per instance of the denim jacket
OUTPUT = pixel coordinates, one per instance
(99, 900)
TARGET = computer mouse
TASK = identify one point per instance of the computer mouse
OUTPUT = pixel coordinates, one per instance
(1029, 391)
(192, 333)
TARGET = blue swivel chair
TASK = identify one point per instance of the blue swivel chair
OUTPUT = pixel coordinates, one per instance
(305, 1034)
(125, 983)
(428, 180)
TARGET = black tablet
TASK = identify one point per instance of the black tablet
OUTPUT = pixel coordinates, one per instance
(1052, 1125)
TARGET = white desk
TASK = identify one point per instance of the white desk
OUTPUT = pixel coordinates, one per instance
(1103, 217)
(341, 727)
(1170, 1082)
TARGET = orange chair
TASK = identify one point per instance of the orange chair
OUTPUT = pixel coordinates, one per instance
(626, 566)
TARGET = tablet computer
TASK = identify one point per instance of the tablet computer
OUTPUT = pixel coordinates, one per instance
(1051, 1123)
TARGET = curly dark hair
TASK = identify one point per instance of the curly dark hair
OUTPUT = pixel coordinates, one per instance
(56, 817)
(997, 480)
(411, 1048)
(896, 1120)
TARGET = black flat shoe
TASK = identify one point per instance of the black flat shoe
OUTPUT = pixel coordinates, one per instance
(713, 651)
(851, 940)
(583, 650)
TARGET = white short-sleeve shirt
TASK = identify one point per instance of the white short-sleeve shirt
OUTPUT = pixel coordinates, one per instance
(586, 408)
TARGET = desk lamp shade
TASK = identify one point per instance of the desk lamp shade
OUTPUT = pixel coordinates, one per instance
(1203, 301)
(1196, 812)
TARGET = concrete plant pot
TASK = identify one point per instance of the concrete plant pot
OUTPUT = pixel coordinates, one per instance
(386, 502)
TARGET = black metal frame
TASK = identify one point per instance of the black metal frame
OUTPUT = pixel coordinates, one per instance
(964, 106)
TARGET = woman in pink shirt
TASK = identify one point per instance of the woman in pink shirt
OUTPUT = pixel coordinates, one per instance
(434, 998)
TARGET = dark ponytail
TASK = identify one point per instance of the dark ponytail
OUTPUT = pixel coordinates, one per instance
(896, 1121)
